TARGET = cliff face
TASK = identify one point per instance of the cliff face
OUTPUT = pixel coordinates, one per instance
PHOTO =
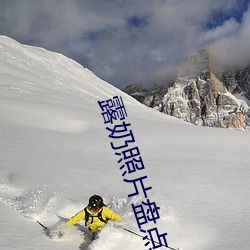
(201, 97)
(237, 81)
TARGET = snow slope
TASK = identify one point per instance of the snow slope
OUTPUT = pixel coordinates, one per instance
(55, 152)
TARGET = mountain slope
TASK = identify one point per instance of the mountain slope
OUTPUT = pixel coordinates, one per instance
(56, 152)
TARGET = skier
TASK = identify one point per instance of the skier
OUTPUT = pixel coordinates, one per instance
(95, 214)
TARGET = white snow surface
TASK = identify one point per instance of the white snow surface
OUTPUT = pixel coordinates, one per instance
(55, 153)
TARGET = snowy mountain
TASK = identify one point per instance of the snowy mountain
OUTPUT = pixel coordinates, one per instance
(56, 152)
(201, 95)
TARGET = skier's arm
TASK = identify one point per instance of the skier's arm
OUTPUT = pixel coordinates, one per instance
(77, 217)
(110, 214)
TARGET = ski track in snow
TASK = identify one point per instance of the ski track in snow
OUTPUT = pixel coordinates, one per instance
(41, 204)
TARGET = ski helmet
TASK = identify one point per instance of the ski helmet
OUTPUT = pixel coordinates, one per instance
(95, 202)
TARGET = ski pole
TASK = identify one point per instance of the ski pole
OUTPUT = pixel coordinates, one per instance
(45, 228)
(149, 239)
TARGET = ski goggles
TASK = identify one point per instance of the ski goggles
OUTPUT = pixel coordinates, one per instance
(94, 208)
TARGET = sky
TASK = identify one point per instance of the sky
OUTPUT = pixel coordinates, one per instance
(132, 41)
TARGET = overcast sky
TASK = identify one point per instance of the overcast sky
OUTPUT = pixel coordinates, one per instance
(131, 41)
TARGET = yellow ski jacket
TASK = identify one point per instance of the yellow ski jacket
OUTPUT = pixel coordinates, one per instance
(94, 223)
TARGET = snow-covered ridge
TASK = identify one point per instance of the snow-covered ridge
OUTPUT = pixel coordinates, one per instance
(34, 66)
(33, 74)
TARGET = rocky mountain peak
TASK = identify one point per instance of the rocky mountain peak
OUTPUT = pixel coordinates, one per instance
(196, 64)
(202, 97)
